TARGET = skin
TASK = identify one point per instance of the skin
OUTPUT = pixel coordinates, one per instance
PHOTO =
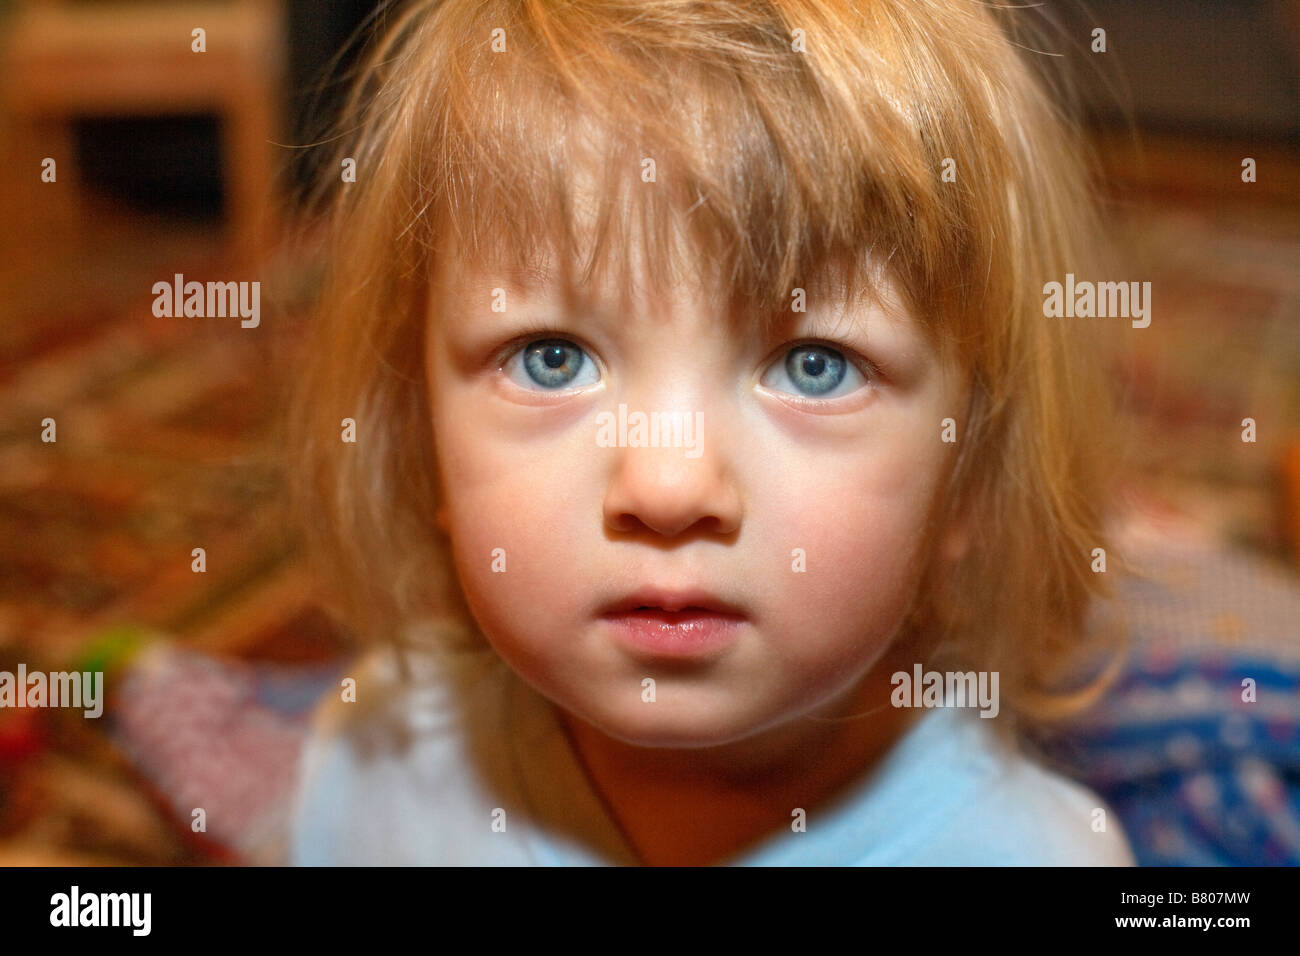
(798, 705)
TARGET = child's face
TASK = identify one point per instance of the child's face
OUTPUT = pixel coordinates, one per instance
(847, 479)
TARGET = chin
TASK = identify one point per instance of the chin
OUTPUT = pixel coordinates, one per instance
(672, 731)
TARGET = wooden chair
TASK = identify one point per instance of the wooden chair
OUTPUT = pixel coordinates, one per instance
(62, 60)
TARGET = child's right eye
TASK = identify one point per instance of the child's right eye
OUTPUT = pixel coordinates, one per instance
(552, 364)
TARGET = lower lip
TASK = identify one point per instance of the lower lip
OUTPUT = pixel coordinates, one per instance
(681, 635)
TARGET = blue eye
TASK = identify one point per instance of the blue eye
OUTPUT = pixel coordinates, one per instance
(552, 364)
(814, 371)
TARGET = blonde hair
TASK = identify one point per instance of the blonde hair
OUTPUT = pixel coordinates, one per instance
(785, 168)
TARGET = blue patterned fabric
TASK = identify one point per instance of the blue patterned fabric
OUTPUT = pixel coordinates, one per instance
(1201, 771)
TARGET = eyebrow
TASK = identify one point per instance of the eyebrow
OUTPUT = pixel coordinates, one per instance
(543, 286)
(537, 284)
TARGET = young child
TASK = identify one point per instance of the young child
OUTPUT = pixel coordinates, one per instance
(684, 429)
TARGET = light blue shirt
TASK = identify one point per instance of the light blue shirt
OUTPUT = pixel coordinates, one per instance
(468, 765)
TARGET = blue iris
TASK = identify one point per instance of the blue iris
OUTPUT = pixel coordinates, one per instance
(815, 369)
(553, 363)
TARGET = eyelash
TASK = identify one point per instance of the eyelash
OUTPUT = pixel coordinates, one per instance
(542, 330)
(870, 370)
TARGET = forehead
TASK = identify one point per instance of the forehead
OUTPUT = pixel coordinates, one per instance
(546, 287)
(611, 243)
(589, 224)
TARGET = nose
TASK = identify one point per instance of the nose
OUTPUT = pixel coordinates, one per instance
(664, 490)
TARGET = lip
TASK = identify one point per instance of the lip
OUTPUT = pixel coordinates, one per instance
(673, 600)
(674, 624)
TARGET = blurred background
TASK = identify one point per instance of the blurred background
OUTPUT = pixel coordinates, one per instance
(168, 161)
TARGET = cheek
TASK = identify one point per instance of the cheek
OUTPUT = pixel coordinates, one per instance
(861, 522)
(511, 510)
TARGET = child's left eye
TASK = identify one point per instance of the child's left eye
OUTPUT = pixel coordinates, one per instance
(814, 371)
(551, 364)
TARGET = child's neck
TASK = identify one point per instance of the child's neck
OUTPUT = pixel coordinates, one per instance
(703, 806)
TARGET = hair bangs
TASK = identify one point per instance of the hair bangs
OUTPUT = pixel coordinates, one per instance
(609, 153)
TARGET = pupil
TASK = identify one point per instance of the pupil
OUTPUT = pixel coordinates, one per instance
(553, 357)
(814, 364)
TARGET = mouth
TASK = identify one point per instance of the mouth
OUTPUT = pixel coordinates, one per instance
(673, 605)
(680, 625)
(684, 618)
